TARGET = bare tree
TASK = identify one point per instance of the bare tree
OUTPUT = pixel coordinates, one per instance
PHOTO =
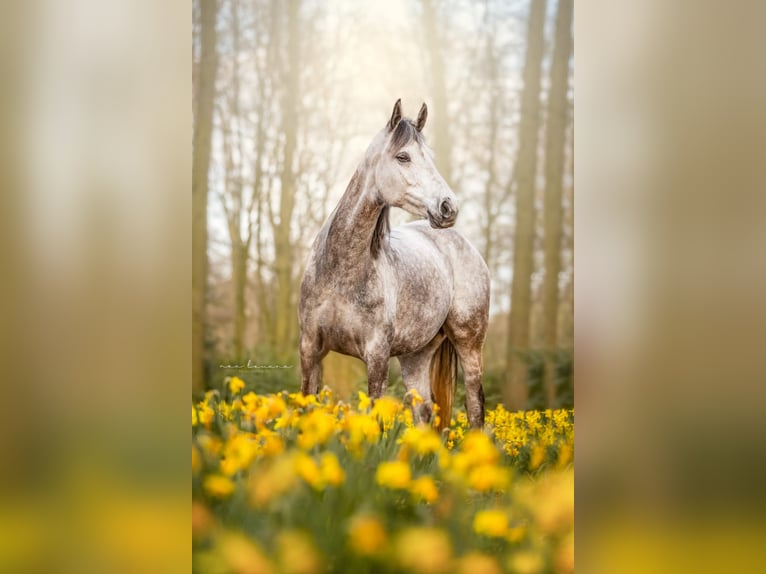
(555, 139)
(284, 257)
(236, 203)
(515, 392)
(200, 164)
(440, 125)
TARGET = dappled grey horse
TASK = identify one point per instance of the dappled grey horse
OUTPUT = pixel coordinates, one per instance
(418, 292)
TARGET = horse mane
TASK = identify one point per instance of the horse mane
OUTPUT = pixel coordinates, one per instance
(382, 227)
(404, 133)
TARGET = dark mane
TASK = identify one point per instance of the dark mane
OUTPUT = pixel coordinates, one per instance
(404, 133)
(382, 228)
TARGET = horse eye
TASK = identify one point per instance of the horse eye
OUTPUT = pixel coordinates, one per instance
(403, 157)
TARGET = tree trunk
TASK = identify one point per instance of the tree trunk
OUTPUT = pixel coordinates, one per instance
(555, 139)
(240, 211)
(524, 180)
(440, 121)
(239, 274)
(264, 311)
(285, 316)
(490, 197)
(200, 164)
(262, 182)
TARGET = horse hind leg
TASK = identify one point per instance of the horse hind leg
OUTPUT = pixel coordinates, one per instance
(467, 328)
(473, 365)
(416, 375)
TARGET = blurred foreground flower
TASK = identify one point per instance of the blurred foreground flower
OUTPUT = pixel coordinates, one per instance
(291, 484)
(297, 554)
(424, 488)
(476, 563)
(218, 486)
(394, 474)
(242, 556)
(492, 523)
(367, 536)
(424, 550)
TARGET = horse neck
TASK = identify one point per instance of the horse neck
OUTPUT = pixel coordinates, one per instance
(359, 224)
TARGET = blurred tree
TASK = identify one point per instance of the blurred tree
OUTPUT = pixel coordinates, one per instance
(491, 71)
(555, 139)
(203, 125)
(432, 26)
(238, 208)
(283, 258)
(523, 180)
(263, 58)
(493, 199)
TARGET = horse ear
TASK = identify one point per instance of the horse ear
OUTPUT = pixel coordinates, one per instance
(396, 115)
(422, 115)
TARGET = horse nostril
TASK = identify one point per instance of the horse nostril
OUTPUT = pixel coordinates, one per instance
(446, 209)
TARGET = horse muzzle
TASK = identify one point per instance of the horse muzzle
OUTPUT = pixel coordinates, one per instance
(445, 216)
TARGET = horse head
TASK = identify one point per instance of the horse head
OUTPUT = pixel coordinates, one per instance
(405, 173)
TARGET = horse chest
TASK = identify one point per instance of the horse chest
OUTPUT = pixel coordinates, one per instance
(349, 320)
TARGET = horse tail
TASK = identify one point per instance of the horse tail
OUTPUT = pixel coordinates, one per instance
(443, 373)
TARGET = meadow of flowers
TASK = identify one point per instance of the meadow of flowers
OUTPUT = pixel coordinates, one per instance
(289, 484)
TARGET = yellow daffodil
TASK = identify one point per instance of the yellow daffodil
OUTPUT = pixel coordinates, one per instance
(297, 554)
(479, 448)
(424, 488)
(386, 409)
(477, 563)
(526, 562)
(367, 536)
(308, 470)
(422, 440)
(492, 523)
(236, 385)
(395, 474)
(316, 428)
(218, 486)
(414, 397)
(424, 550)
(330, 469)
(226, 411)
(361, 429)
(205, 414)
(325, 395)
(364, 401)
(271, 444)
(242, 555)
(488, 477)
(238, 452)
(272, 481)
(564, 456)
(210, 444)
(288, 419)
(537, 456)
(327, 472)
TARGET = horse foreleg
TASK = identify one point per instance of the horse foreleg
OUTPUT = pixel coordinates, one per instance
(311, 366)
(377, 375)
